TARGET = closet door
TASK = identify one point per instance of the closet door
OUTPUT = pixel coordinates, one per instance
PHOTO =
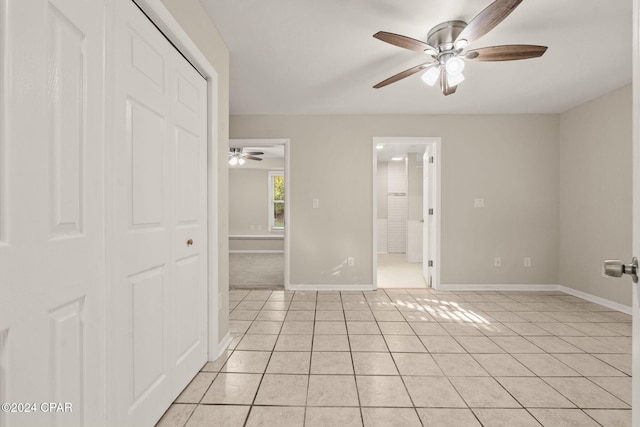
(52, 212)
(158, 252)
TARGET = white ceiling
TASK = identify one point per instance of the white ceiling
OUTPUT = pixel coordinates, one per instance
(389, 151)
(319, 56)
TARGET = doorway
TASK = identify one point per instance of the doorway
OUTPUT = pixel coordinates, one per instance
(259, 213)
(406, 226)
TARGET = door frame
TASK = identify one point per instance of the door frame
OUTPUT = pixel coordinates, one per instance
(436, 142)
(169, 26)
(635, 350)
(286, 143)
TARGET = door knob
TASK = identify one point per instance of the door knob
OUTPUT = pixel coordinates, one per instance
(189, 242)
(615, 268)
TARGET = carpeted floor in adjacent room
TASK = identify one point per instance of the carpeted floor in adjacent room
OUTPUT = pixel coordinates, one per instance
(256, 270)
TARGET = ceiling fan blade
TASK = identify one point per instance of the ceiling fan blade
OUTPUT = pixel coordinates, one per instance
(253, 158)
(404, 74)
(405, 42)
(486, 20)
(253, 153)
(444, 83)
(506, 53)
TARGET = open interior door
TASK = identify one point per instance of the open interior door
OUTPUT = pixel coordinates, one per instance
(618, 268)
(427, 217)
(635, 403)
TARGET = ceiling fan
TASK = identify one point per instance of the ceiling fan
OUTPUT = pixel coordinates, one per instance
(447, 41)
(237, 156)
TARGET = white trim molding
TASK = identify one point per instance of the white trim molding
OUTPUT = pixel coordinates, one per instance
(424, 141)
(287, 192)
(223, 345)
(256, 236)
(501, 287)
(344, 288)
(256, 251)
(595, 299)
(539, 288)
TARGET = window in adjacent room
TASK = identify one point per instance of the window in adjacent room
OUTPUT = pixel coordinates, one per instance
(276, 200)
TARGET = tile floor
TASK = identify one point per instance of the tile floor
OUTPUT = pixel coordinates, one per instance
(414, 358)
(395, 272)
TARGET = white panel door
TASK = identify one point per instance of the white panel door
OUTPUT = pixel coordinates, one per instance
(52, 211)
(158, 252)
(428, 223)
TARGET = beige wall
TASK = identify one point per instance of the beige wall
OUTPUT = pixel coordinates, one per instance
(248, 201)
(249, 204)
(509, 160)
(595, 142)
(194, 19)
(512, 161)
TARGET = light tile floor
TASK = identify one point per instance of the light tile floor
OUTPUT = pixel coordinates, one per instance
(414, 358)
(395, 272)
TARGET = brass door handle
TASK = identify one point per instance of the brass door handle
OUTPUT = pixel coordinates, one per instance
(189, 242)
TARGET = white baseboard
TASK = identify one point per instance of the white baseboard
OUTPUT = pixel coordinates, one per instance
(223, 346)
(540, 288)
(256, 251)
(514, 287)
(592, 298)
(256, 237)
(345, 288)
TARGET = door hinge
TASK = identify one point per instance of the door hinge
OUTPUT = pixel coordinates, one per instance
(430, 211)
(430, 263)
(431, 159)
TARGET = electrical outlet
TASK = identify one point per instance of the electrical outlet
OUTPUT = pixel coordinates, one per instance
(351, 261)
(478, 203)
(527, 261)
(497, 262)
(316, 203)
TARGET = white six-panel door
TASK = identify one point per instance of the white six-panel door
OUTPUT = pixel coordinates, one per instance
(158, 240)
(52, 211)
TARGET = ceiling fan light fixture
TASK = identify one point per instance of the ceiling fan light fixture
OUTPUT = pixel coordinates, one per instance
(460, 44)
(450, 38)
(430, 76)
(431, 52)
(233, 161)
(454, 65)
(241, 161)
(454, 79)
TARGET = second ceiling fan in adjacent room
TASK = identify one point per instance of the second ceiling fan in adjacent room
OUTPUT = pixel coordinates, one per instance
(238, 157)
